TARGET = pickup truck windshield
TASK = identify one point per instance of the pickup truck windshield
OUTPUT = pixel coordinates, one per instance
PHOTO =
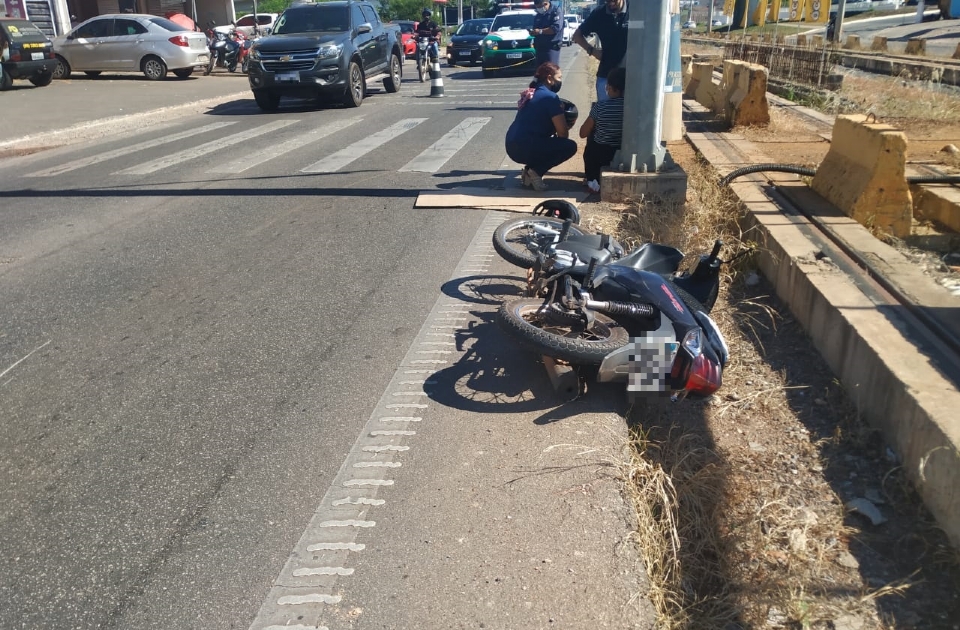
(313, 19)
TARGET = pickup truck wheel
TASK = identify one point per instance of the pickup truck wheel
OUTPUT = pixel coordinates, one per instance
(267, 101)
(356, 85)
(392, 83)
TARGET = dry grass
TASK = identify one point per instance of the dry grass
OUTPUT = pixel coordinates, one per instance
(891, 98)
(738, 525)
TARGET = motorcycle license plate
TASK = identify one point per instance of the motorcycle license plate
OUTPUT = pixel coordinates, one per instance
(288, 77)
(652, 362)
(514, 55)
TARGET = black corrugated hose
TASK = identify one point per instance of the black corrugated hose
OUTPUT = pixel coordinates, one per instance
(797, 169)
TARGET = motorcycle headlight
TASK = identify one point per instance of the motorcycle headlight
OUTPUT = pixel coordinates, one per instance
(330, 52)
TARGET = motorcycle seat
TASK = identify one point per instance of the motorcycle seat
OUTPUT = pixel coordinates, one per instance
(653, 257)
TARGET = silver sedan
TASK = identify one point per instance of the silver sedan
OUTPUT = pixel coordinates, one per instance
(130, 42)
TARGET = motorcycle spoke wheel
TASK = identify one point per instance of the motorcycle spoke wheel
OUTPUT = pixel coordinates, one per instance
(559, 337)
(517, 242)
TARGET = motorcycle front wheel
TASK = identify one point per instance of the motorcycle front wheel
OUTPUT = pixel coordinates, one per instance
(210, 64)
(560, 337)
(422, 69)
(514, 238)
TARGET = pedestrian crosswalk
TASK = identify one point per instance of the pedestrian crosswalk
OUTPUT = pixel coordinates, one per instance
(301, 144)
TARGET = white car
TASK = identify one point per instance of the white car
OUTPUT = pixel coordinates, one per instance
(690, 24)
(570, 25)
(263, 23)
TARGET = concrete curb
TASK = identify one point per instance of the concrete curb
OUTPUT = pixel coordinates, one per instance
(116, 124)
(896, 387)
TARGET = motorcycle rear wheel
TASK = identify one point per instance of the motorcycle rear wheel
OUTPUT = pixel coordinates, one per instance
(560, 338)
(210, 64)
(511, 237)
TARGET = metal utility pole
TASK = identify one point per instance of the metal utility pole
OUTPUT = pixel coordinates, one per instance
(459, 11)
(838, 22)
(710, 18)
(646, 64)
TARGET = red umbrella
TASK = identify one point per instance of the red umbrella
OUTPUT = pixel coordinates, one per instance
(182, 20)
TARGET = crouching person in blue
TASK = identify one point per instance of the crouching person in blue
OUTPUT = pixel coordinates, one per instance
(539, 138)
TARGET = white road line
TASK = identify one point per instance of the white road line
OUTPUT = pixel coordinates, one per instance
(357, 501)
(298, 626)
(400, 418)
(322, 571)
(377, 465)
(367, 482)
(348, 523)
(204, 149)
(338, 160)
(378, 433)
(383, 449)
(350, 546)
(267, 153)
(313, 598)
(437, 154)
(133, 148)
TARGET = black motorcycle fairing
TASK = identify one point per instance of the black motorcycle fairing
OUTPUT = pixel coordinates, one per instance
(625, 284)
(653, 257)
(586, 250)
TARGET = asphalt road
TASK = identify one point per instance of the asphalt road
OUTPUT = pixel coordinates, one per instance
(205, 318)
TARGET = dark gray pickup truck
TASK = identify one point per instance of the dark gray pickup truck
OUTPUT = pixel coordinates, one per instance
(325, 51)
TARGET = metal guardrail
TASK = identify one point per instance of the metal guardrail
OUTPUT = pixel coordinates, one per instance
(788, 63)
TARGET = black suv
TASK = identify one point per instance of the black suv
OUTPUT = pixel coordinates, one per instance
(30, 53)
(325, 50)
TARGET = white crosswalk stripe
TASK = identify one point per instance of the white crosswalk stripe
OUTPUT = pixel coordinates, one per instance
(341, 158)
(133, 148)
(191, 154)
(437, 154)
(270, 152)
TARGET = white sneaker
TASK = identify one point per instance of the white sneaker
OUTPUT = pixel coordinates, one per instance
(593, 185)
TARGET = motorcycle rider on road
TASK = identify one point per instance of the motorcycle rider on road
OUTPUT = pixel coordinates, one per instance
(429, 29)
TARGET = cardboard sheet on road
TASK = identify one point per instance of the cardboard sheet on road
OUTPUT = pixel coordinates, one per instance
(492, 199)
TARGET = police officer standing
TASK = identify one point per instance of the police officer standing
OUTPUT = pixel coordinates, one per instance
(547, 32)
(609, 23)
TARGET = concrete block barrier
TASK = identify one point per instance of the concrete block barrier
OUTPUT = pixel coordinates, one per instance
(916, 46)
(818, 41)
(744, 89)
(686, 72)
(879, 44)
(852, 42)
(956, 53)
(706, 92)
(864, 174)
(802, 40)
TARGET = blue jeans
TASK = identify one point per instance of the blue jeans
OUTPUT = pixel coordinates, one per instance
(542, 155)
(601, 89)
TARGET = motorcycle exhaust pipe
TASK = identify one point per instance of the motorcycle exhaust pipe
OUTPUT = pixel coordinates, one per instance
(622, 308)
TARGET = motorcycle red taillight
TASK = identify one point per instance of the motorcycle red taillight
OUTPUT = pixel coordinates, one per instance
(180, 40)
(704, 378)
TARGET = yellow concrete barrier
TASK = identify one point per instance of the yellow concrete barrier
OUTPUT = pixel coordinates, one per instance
(818, 41)
(956, 53)
(686, 71)
(879, 44)
(706, 92)
(802, 40)
(852, 42)
(864, 174)
(916, 46)
(744, 89)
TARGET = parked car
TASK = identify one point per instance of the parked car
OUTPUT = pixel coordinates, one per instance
(262, 25)
(29, 54)
(689, 25)
(717, 23)
(509, 45)
(571, 23)
(325, 50)
(408, 32)
(130, 42)
(465, 44)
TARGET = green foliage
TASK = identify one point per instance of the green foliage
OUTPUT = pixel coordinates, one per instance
(411, 9)
(272, 6)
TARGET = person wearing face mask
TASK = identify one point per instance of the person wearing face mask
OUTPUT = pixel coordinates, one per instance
(609, 23)
(547, 32)
(539, 137)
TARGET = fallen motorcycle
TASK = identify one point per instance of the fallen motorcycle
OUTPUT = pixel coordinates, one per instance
(633, 315)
